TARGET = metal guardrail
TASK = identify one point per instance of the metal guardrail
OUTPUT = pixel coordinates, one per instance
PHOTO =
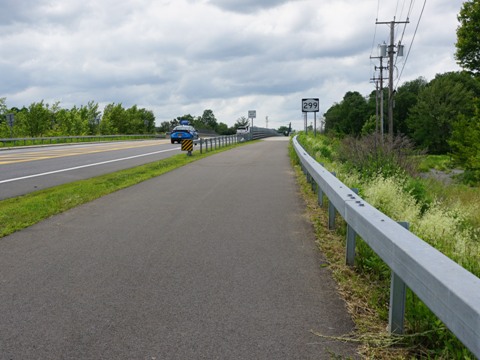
(449, 290)
(217, 142)
(255, 134)
(261, 133)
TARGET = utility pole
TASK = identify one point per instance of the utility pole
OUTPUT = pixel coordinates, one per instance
(380, 124)
(391, 52)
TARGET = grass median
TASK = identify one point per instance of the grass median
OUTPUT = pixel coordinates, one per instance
(23, 211)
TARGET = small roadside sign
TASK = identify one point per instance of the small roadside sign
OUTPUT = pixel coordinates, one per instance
(187, 145)
(252, 114)
(310, 105)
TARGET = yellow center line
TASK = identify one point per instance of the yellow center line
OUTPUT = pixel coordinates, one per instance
(53, 154)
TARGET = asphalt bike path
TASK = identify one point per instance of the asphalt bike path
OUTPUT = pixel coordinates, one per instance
(214, 260)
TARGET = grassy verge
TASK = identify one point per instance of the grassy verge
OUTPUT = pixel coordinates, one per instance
(437, 162)
(23, 211)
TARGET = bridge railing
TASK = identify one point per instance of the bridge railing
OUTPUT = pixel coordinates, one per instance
(450, 291)
(261, 133)
(212, 143)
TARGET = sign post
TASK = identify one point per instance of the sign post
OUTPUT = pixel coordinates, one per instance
(311, 105)
(252, 114)
(10, 122)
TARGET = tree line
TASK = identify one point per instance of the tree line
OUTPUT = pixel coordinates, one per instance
(441, 116)
(207, 121)
(42, 119)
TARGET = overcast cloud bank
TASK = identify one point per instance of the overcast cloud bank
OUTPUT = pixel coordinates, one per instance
(179, 57)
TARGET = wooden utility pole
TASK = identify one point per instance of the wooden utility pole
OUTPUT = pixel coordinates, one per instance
(379, 81)
(391, 53)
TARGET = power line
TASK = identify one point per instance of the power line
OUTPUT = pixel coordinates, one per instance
(411, 44)
(375, 32)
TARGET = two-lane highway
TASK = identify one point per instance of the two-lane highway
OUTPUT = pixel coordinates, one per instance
(24, 170)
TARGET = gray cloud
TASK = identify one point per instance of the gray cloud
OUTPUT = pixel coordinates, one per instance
(246, 6)
(182, 56)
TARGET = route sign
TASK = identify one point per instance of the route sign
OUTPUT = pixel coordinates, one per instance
(252, 114)
(310, 105)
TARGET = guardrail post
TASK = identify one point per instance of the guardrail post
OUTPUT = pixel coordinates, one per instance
(331, 212)
(320, 196)
(314, 184)
(320, 193)
(398, 294)
(351, 237)
(201, 145)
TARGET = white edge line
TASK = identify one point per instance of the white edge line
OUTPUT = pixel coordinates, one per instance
(83, 166)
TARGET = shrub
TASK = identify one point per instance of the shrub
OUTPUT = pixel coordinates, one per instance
(372, 155)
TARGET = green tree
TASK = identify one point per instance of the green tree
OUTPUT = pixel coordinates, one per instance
(241, 122)
(36, 121)
(405, 99)
(64, 123)
(439, 105)
(79, 121)
(370, 126)
(164, 127)
(465, 143)
(283, 129)
(148, 119)
(347, 117)
(468, 41)
(91, 114)
(113, 120)
(4, 128)
(133, 121)
(333, 119)
(223, 129)
(208, 119)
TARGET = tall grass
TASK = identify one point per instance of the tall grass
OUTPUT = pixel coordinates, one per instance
(447, 217)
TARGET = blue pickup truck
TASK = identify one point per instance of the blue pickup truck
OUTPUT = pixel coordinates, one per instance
(181, 132)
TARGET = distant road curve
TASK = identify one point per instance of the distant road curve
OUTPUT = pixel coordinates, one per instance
(24, 170)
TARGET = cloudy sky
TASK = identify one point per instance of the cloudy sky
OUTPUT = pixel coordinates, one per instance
(176, 57)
